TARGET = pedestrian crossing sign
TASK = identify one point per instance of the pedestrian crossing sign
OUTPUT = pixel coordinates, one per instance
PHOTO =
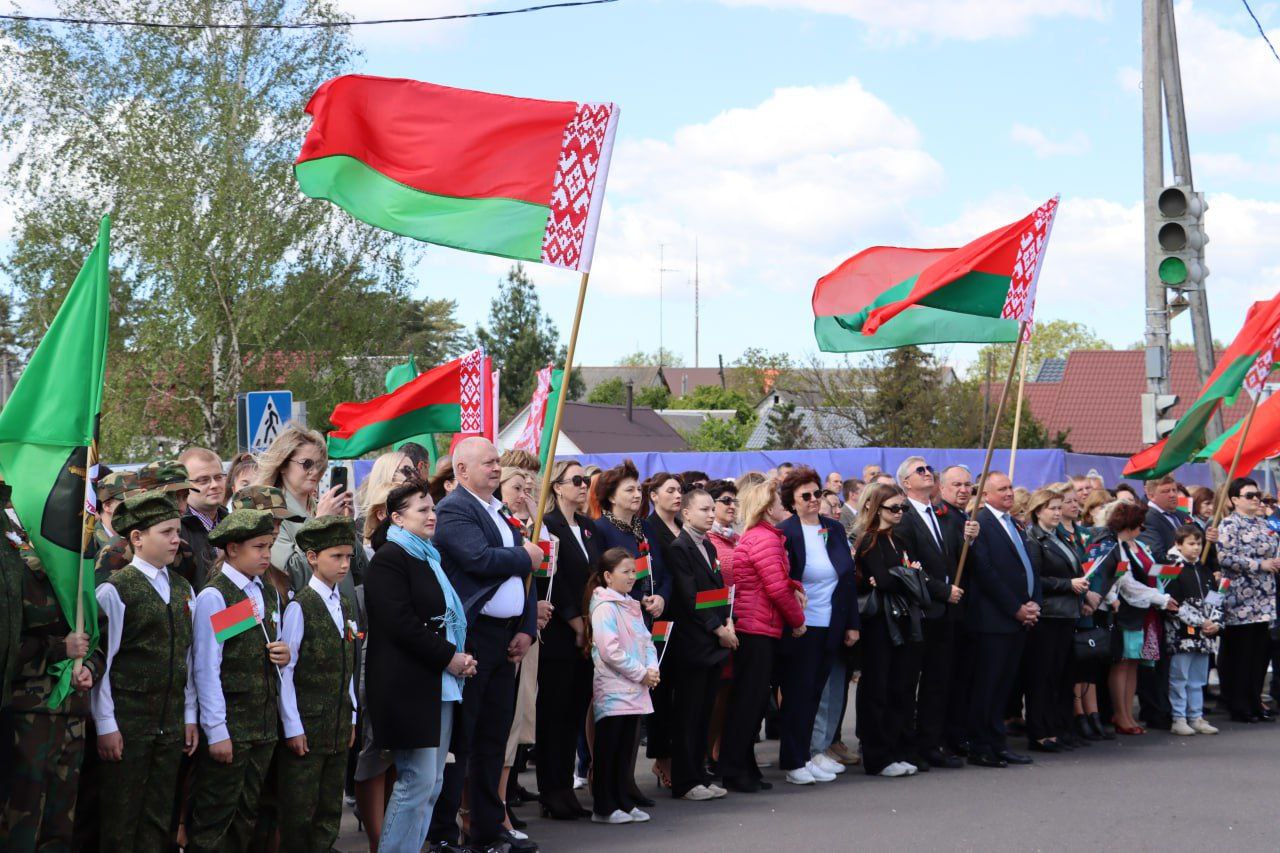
(266, 413)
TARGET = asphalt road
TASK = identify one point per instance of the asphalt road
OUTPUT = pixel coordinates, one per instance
(1151, 792)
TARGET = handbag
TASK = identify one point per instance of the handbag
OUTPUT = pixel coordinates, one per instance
(1092, 645)
(869, 604)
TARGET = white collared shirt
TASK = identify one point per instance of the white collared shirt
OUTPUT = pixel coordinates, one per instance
(109, 601)
(208, 651)
(926, 510)
(1000, 518)
(509, 599)
(292, 633)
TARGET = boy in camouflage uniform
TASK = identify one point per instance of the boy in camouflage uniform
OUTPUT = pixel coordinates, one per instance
(317, 694)
(237, 683)
(144, 707)
(113, 486)
(115, 553)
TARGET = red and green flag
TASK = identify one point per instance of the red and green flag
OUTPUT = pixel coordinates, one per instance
(1168, 571)
(711, 598)
(661, 630)
(1262, 442)
(234, 620)
(514, 177)
(544, 567)
(1185, 504)
(448, 398)
(1251, 354)
(642, 567)
(535, 437)
(894, 297)
(1224, 585)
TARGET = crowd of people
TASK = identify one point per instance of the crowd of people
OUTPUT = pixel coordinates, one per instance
(267, 647)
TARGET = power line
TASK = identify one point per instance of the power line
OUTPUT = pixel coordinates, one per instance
(1261, 31)
(303, 25)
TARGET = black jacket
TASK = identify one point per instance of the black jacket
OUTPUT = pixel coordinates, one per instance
(572, 572)
(1056, 564)
(1157, 532)
(939, 563)
(997, 580)
(406, 651)
(193, 532)
(693, 639)
(898, 602)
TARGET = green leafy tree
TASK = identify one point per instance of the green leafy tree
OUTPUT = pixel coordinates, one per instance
(611, 392)
(226, 278)
(714, 434)
(430, 331)
(715, 397)
(786, 429)
(1054, 339)
(758, 370)
(661, 357)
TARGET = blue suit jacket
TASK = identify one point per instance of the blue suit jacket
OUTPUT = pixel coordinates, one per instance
(998, 582)
(844, 601)
(612, 537)
(474, 558)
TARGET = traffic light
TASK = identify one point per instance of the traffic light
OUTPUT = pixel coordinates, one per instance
(1154, 425)
(1181, 237)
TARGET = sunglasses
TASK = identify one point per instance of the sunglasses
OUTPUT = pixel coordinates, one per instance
(1250, 496)
(308, 465)
(577, 480)
(409, 472)
(727, 501)
(894, 508)
(923, 469)
(809, 496)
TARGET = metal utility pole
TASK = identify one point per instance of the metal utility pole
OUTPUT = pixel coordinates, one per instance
(662, 271)
(696, 316)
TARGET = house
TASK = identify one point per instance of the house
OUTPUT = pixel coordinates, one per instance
(826, 428)
(1094, 397)
(686, 421)
(639, 377)
(591, 428)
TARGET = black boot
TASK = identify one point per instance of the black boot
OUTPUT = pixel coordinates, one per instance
(1099, 731)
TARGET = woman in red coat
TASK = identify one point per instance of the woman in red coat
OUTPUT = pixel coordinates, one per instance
(766, 602)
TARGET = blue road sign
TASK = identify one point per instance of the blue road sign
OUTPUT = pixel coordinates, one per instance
(266, 414)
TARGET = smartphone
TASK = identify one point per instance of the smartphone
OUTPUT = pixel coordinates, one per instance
(338, 477)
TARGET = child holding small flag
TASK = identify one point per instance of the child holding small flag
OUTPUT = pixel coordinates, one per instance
(626, 668)
(1191, 634)
(317, 691)
(237, 659)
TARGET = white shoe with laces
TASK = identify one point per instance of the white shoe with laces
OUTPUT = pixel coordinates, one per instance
(698, 792)
(819, 774)
(910, 768)
(829, 765)
(800, 776)
(618, 816)
(895, 770)
(1180, 727)
(638, 816)
(717, 792)
(1202, 726)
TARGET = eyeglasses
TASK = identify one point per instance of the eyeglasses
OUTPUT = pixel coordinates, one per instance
(923, 469)
(308, 465)
(808, 496)
(894, 508)
(207, 480)
(409, 472)
(727, 501)
(577, 480)
(1250, 496)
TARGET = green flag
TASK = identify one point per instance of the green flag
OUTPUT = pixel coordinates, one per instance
(549, 417)
(403, 374)
(47, 443)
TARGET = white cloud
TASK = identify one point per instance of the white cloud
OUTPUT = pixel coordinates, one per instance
(1043, 146)
(968, 20)
(1230, 166)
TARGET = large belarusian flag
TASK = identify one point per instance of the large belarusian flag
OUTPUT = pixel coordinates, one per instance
(448, 398)
(535, 437)
(1252, 352)
(47, 451)
(994, 277)
(1262, 442)
(514, 177)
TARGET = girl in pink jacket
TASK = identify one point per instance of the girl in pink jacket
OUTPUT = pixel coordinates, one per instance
(626, 667)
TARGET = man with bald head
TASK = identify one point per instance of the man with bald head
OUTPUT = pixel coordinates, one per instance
(1002, 604)
(487, 560)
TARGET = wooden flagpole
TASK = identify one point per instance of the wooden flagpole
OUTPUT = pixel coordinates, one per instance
(991, 443)
(1017, 412)
(561, 397)
(86, 534)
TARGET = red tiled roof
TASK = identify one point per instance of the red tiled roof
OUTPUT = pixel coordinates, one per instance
(1097, 399)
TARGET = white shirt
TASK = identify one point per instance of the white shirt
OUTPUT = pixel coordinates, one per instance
(509, 599)
(109, 601)
(819, 577)
(1000, 516)
(926, 510)
(577, 534)
(208, 651)
(292, 634)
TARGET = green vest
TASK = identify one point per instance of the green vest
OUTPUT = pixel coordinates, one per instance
(149, 670)
(250, 682)
(322, 676)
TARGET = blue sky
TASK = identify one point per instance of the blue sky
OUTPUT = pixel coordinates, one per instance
(785, 135)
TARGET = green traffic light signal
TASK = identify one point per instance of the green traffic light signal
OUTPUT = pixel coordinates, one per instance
(1173, 271)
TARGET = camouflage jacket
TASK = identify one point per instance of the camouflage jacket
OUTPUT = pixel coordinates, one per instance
(118, 553)
(322, 675)
(11, 571)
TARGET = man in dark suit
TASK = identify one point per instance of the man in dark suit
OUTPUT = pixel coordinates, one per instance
(1157, 534)
(934, 540)
(1003, 601)
(956, 490)
(487, 561)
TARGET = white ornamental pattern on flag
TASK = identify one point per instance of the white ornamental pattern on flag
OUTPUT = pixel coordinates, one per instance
(470, 392)
(1021, 299)
(580, 172)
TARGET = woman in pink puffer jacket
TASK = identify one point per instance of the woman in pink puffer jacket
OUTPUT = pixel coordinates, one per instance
(765, 602)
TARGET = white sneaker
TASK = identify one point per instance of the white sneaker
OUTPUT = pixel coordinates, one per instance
(1180, 727)
(819, 774)
(698, 792)
(895, 769)
(717, 792)
(1202, 726)
(638, 816)
(579, 782)
(801, 776)
(828, 764)
(618, 816)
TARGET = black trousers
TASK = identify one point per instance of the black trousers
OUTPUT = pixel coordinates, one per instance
(693, 693)
(996, 658)
(748, 695)
(564, 695)
(960, 690)
(1047, 675)
(806, 664)
(934, 684)
(884, 700)
(1153, 693)
(480, 737)
(612, 773)
(1242, 666)
(659, 724)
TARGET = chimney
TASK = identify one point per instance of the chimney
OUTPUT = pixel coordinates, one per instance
(684, 384)
(631, 397)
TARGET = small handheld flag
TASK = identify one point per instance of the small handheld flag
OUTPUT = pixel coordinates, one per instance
(234, 620)
(660, 631)
(1184, 505)
(666, 637)
(1168, 572)
(642, 567)
(544, 568)
(1122, 568)
(711, 598)
(1225, 585)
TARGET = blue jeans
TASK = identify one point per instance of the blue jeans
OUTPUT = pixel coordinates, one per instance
(826, 726)
(419, 776)
(1188, 674)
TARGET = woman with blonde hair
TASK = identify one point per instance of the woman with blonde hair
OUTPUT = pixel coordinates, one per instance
(389, 469)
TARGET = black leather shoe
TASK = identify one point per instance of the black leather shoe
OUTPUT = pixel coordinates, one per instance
(961, 749)
(765, 786)
(986, 759)
(1016, 758)
(941, 758)
(516, 845)
(1046, 746)
(1265, 718)
(1095, 723)
(1084, 731)
(920, 763)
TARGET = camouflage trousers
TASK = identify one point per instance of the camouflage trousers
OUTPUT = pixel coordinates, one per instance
(225, 798)
(42, 753)
(310, 800)
(137, 795)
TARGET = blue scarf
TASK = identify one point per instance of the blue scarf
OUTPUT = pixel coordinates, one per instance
(455, 616)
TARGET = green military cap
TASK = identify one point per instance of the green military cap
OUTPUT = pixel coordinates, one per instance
(265, 497)
(142, 511)
(117, 484)
(168, 474)
(241, 526)
(327, 531)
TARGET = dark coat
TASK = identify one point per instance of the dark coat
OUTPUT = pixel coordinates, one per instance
(660, 538)
(693, 639)
(998, 584)
(1157, 533)
(573, 569)
(844, 600)
(194, 534)
(1056, 565)
(475, 559)
(939, 564)
(406, 652)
